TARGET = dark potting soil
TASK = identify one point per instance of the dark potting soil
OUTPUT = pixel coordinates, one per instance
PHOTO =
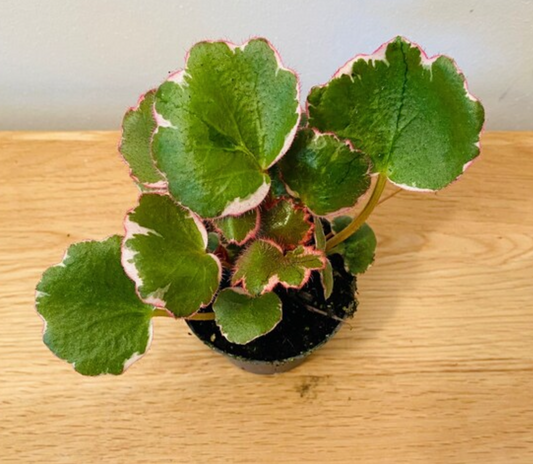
(301, 328)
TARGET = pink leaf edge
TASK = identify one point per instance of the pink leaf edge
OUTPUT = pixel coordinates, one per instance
(307, 218)
(426, 61)
(239, 206)
(274, 280)
(131, 229)
(160, 186)
(249, 236)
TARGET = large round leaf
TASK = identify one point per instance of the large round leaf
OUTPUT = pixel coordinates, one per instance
(412, 115)
(93, 317)
(222, 122)
(165, 254)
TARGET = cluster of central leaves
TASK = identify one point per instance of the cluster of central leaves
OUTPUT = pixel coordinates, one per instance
(235, 184)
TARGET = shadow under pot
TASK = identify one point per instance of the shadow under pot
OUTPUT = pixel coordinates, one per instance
(308, 322)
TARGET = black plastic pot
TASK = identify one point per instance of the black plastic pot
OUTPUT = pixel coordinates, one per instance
(308, 322)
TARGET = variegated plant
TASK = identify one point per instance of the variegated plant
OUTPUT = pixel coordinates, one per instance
(237, 187)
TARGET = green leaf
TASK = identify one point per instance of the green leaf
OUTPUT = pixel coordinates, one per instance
(165, 254)
(239, 229)
(138, 126)
(277, 187)
(263, 265)
(213, 241)
(359, 249)
(286, 224)
(93, 317)
(320, 236)
(243, 318)
(222, 122)
(326, 278)
(326, 274)
(412, 115)
(325, 172)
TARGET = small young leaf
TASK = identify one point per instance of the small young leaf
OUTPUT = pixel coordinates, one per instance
(164, 252)
(326, 274)
(277, 187)
(239, 229)
(359, 249)
(263, 265)
(412, 115)
(93, 317)
(222, 122)
(324, 172)
(243, 318)
(213, 242)
(286, 224)
(138, 126)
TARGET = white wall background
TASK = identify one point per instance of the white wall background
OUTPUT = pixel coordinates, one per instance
(79, 64)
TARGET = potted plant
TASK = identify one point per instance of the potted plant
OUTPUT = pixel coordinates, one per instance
(233, 231)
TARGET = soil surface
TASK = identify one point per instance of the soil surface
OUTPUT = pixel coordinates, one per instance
(308, 320)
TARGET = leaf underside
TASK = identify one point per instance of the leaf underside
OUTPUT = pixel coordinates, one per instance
(165, 254)
(138, 126)
(263, 265)
(94, 319)
(324, 172)
(227, 118)
(413, 116)
(359, 249)
(243, 318)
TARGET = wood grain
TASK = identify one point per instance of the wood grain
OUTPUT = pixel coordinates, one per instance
(437, 367)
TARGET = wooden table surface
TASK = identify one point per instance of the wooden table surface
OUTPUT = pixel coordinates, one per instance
(436, 367)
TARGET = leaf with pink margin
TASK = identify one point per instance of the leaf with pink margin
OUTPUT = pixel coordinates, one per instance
(286, 224)
(222, 122)
(325, 173)
(412, 115)
(239, 229)
(164, 253)
(263, 265)
(138, 126)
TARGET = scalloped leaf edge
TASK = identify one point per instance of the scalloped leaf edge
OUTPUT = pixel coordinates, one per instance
(238, 205)
(426, 61)
(274, 279)
(160, 186)
(128, 362)
(249, 236)
(131, 228)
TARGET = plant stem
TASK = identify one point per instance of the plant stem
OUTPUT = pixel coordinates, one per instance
(202, 317)
(363, 216)
(160, 313)
(388, 197)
